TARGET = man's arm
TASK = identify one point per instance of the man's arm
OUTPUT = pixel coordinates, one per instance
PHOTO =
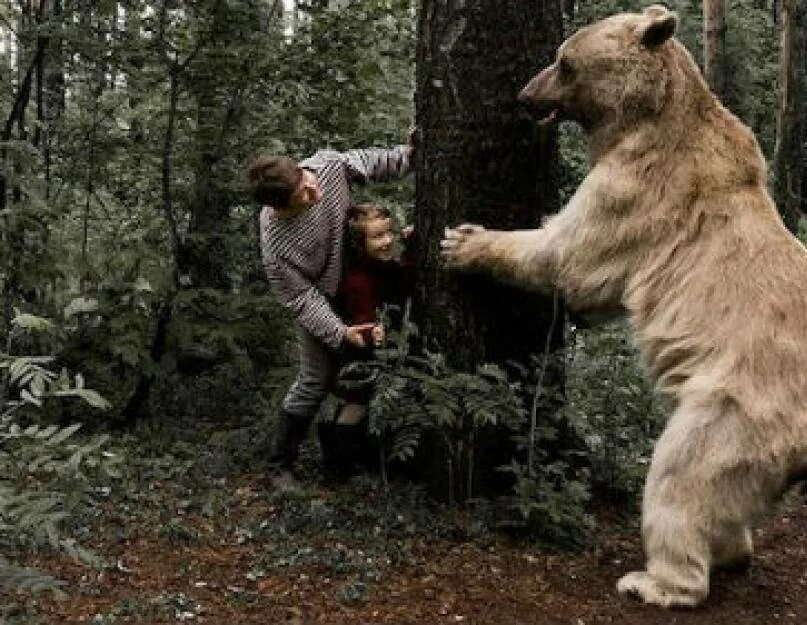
(372, 164)
(310, 307)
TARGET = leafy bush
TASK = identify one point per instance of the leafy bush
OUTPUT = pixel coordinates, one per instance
(46, 472)
(418, 397)
(594, 437)
(611, 403)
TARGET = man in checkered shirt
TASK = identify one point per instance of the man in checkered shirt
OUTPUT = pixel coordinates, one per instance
(301, 224)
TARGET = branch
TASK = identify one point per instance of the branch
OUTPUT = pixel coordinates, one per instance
(24, 92)
(166, 175)
(9, 25)
(163, 45)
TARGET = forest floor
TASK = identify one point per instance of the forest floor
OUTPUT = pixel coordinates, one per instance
(229, 550)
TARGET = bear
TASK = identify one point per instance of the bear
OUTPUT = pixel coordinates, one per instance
(673, 226)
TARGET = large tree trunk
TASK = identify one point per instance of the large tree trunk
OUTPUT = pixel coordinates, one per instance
(482, 159)
(714, 45)
(788, 162)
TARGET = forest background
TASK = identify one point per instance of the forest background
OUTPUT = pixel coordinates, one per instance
(134, 301)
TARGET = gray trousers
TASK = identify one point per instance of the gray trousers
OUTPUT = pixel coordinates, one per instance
(319, 366)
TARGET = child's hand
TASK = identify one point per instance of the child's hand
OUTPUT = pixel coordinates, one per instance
(355, 334)
(378, 335)
(407, 232)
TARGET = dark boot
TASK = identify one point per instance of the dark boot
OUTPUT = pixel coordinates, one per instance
(289, 433)
(369, 448)
(326, 432)
(350, 441)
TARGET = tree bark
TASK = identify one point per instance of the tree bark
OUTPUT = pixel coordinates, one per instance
(481, 159)
(12, 237)
(714, 45)
(788, 161)
(208, 256)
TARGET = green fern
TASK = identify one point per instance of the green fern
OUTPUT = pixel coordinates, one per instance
(45, 470)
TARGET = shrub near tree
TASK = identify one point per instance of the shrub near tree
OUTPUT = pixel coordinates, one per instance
(49, 474)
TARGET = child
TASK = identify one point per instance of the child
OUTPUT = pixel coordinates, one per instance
(371, 279)
(304, 208)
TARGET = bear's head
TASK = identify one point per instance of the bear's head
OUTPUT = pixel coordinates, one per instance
(610, 71)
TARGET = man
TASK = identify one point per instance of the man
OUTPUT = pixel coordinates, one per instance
(301, 223)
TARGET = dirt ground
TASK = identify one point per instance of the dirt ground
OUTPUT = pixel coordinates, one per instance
(213, 577)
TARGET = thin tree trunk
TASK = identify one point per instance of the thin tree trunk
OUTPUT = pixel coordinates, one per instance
(12, 237)
(54, 92)
(40, 80)
(788, 161)
(138, 400)
(714, 45)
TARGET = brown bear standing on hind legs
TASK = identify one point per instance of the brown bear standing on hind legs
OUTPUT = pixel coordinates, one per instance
(674, 225)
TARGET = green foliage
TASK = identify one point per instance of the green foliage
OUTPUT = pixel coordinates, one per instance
(416, 394)
(109, 331)
(552, 502)
(47, 471)
(352, 75)
(611, 403)
(175, 532)
(608, 405)
(27, 580)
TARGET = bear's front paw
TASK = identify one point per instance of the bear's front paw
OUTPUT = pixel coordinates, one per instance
(462, 245)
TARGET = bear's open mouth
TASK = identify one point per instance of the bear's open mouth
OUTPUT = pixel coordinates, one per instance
(553, 115)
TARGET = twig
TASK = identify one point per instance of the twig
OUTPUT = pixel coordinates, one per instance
(539, 384)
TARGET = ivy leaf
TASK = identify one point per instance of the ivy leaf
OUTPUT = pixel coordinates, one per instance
(31, 323)
(80, 305)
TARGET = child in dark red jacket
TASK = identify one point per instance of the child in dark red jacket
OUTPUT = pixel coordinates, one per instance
(372, 278)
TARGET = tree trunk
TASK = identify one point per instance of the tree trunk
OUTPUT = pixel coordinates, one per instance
(12, 236)
(788, 161)
(714, 45)
(213, 79)
(481, 159)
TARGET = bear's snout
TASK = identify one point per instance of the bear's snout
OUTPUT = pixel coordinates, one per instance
(533, 92)
(538, 93)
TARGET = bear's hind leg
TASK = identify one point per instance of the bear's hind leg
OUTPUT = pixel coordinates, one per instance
(677, 519)
(677, 574)
(703, 489)
(733, 551)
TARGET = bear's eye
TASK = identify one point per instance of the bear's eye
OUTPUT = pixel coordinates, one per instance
(565, 68)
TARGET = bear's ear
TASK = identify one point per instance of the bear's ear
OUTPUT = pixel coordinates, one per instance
(658, 24)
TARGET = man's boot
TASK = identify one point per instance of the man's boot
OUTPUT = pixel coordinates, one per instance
(289, 433)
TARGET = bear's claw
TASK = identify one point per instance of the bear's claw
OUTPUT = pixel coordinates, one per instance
(644, 587)
(455, 246)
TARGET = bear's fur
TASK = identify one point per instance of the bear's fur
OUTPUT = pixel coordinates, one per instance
(674, 226)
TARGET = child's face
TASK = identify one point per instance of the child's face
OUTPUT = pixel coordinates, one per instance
(378, 238)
